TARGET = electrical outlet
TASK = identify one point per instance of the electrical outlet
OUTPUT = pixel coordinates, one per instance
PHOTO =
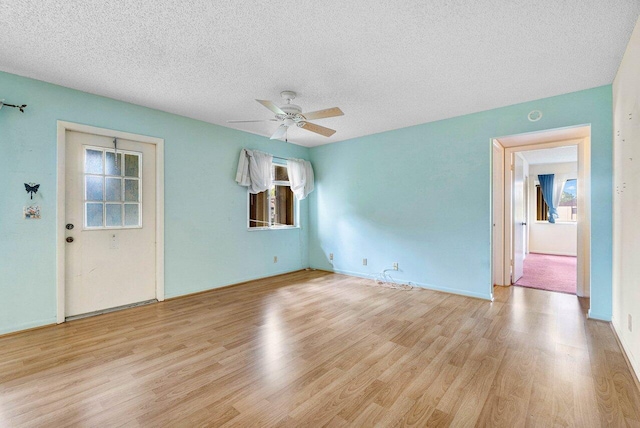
(630, 322)
(275, 259)
(395, 266)
(330, 256)
(364, 262)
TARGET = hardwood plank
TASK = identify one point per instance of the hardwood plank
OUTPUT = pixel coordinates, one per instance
(312, 348)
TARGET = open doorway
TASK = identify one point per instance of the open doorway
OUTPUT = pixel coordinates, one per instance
(550, 232)
(541, 207)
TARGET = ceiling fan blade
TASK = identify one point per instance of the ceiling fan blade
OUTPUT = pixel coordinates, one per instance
(327, 132)
(271, 106)
(247, 121)
(321, 114)
(280, 132)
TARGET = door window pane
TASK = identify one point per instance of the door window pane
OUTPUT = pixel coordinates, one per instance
(131, 165)
(93, 162)
(131, 193)
(113, 215)
(106, 190)
(131, 215)
(110, 164)
(114, 189)
(94, 188)
(94, 214)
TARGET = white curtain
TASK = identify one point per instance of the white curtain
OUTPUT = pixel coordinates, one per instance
(301, 177)
(558, 187)
(254, 170)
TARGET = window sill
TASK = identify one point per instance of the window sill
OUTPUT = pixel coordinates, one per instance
(257, 229)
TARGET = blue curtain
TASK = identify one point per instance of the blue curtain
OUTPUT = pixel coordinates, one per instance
(546, 185)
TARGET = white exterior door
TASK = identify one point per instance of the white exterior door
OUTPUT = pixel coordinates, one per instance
(110, 208)
(519, 218)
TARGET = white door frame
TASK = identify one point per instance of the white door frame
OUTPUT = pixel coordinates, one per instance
(63, 127)
(497, 206)
(584, 208)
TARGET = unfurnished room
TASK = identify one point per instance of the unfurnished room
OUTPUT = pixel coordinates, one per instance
(319, 214)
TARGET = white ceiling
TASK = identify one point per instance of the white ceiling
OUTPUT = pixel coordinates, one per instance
(555, 155)
(386, 64)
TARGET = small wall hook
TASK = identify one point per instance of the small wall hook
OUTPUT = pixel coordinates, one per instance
(21, 107)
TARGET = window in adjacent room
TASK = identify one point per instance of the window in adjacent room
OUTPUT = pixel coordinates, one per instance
(567, 208)
(273, 208)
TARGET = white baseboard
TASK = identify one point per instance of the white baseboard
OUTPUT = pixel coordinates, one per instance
(634, 366)
(553, 253)
(482, 296)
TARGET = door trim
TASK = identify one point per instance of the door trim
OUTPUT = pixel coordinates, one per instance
(63, 127)
(497, 214)
(584, 207)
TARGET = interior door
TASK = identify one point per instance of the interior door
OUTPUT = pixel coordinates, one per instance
(519, 219)
(110, 211)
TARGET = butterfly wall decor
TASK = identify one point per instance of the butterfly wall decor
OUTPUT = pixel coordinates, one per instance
(31, 188)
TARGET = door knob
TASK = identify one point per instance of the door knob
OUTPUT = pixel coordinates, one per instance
(524, 223)
(69, 239)
(69, 226)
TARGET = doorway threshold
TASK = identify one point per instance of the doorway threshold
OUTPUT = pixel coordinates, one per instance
(108, 310)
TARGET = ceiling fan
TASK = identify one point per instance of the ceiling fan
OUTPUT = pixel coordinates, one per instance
(291, 115)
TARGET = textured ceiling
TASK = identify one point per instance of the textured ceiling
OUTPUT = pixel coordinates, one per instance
(555, 155)
(386, 64)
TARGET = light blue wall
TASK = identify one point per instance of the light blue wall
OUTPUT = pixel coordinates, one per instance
(420, 196)
(207, 244)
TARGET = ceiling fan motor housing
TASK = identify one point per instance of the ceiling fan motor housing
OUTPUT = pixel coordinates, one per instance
(293, 114)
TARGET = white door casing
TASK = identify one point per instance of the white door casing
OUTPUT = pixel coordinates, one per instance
(584, 206)
(498, 214)
(114, 266)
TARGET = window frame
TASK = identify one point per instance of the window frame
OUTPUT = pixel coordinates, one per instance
(296, 205)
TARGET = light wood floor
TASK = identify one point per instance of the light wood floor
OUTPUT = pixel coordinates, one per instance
(316, 349)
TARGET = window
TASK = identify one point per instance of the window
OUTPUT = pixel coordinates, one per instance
(273, 208)
(112, 189)
(542, 209)
(568, 207)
